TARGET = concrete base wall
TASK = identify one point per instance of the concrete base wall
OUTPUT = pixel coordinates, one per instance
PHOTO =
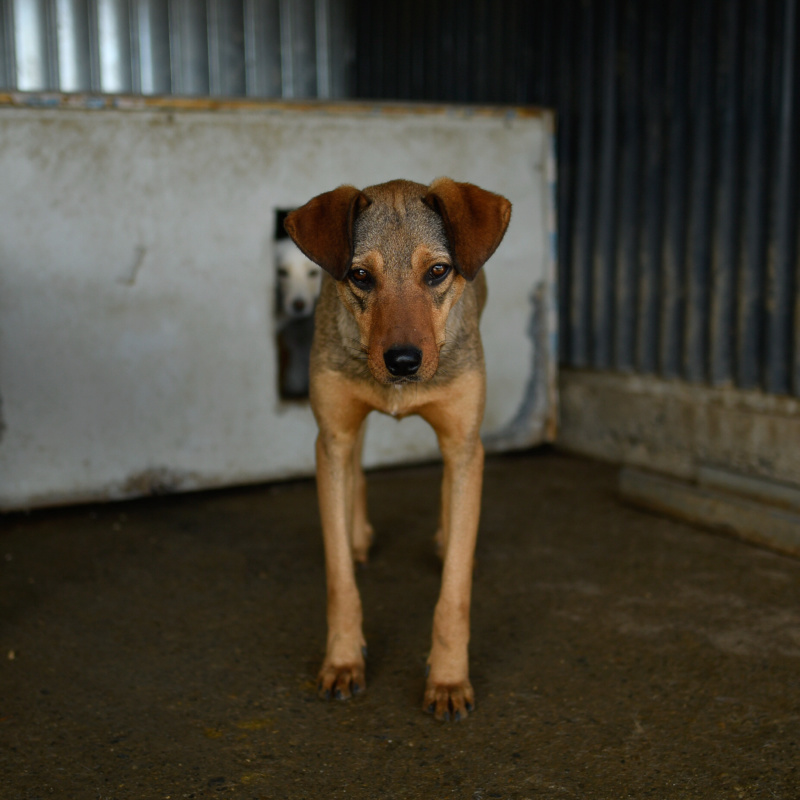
(679, 429)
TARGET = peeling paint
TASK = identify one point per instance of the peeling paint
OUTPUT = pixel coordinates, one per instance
(532, 421)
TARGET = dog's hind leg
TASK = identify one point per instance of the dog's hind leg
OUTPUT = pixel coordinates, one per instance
(361, 531)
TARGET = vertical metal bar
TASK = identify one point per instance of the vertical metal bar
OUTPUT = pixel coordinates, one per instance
(513, 76)
(369, 54)
(262, 45)
(188, 38)
(782, 254)
(461, 62)
(404, 37)
(389, 51)
(583, 248)
(136, 48)
(795, 364)
(630, 191)
(480, 48)
(603, 267)
(72, 24)
(34, 46)
(51, 42)
(298, 48)
(544, 22)
(653, 201)
(95, 79)
(496, 45)
(304, 48)
(674, 245)
(213, 34)
(751, 273)
(113, 34)
(323, 56)
(379, 29)
(287, 62)
(728, 202)
(565, 187)
(152, 27)
(8, 70)
(417, 55)
(342, 48)
(432, 15)
(226, 74)
(696, 345)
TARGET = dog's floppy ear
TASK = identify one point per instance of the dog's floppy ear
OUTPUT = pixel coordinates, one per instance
(323, 228)
(475, 221)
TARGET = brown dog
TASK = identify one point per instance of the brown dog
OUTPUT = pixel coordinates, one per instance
(397, 331)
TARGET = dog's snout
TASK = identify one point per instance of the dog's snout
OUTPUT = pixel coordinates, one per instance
(298, 305)
(403, 361)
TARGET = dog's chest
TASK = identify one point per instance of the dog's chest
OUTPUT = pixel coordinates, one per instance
(397, 402)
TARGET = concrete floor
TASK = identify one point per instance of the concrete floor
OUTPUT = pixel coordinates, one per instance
(167, 648)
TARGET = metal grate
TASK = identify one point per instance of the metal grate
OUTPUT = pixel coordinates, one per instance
(260, 48)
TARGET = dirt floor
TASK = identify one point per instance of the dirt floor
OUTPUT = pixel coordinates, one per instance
(167, 648)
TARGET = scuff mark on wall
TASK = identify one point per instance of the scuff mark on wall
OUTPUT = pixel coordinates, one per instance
(156, 481)
(128, 278)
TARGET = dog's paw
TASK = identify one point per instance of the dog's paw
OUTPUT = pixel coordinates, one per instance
(449, 701)
(341, 682)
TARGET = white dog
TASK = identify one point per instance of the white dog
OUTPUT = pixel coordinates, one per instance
(298, 282)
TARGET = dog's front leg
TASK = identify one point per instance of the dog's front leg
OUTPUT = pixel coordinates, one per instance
(448, 692)
(342, 672)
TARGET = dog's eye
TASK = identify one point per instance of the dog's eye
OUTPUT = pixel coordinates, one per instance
(360, 277)
(437, 273)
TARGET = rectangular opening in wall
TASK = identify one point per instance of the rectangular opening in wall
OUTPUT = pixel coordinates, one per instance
(297, 285)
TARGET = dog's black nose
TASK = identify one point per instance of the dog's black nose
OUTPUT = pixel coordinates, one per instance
(403, 361)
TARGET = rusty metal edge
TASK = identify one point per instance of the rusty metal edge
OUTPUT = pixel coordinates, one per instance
(171, 103)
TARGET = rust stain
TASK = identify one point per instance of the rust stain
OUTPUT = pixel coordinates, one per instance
(94, 102)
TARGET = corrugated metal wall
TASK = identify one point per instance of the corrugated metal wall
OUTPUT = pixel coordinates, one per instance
(678, 137)
(261, 48)
(678, 164)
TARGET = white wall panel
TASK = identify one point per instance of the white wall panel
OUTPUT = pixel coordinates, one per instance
(137, 341)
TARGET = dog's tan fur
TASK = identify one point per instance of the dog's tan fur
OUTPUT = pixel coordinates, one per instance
(401, 236)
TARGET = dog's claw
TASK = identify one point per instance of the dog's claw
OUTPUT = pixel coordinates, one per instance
(341, 683)
(449, 701)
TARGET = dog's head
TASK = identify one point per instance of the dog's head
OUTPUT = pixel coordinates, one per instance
(401, 254)
(298, 281)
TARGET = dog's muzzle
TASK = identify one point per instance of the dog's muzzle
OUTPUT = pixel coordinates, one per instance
(403, 361)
